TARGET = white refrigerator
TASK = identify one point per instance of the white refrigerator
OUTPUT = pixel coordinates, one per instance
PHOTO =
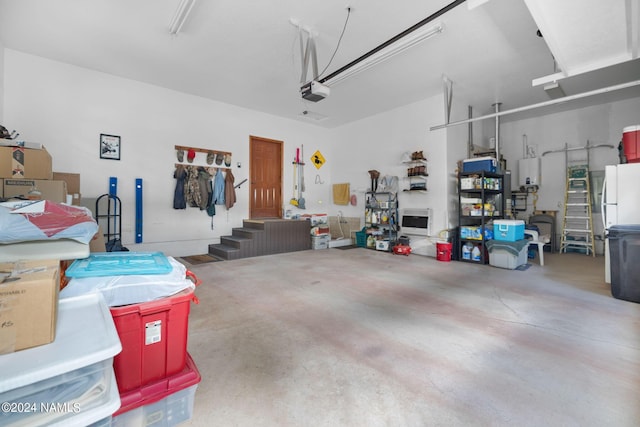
(620, 201)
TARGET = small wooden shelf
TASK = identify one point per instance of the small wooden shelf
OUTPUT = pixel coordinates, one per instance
(213, 166)
(201, 150)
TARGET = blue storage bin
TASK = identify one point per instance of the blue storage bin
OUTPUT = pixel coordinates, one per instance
(120, 264)
(479, 164)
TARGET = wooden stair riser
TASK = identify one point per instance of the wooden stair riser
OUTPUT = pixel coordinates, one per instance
(257, 238)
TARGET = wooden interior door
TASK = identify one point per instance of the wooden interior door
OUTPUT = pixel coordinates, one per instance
(265, 165)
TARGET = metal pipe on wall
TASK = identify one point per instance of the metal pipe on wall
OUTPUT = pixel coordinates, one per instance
(470, 144)
(498, 131)
(542, 104)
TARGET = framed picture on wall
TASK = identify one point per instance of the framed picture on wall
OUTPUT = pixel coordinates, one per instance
(109, 147)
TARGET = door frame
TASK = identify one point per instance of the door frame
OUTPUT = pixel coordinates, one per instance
(253, 138)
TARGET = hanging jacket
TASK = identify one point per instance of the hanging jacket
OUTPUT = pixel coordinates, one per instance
(211, 206)
(203, 185)
(192, 188)
(229, 190)
(180, 175)
(218, 188)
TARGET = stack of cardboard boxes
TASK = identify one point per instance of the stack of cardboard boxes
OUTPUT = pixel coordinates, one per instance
(26, 172)
(51, 370)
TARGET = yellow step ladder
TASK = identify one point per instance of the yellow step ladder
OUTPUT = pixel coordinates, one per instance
(577, 225)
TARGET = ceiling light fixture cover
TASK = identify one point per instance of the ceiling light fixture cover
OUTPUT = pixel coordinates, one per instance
(393, 49)
(182, 13)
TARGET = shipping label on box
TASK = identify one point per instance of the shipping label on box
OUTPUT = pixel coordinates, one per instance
(28, 303)
(20, 162)
(36, 189)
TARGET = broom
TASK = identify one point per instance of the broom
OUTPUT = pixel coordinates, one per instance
(293, 200)
(301, 201)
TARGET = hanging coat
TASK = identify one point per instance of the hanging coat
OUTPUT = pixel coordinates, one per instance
(180, 175)
(192, 187)
(229, 190)
(203, 185)
(211, 206)
(218, 188)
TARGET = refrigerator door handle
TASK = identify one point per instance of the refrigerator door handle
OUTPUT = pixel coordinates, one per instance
(603, 199)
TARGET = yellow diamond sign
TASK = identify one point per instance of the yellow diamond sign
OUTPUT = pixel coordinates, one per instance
(317, 159)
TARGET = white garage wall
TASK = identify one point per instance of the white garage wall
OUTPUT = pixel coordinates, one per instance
(601, 124)
(378, 142)
(66, 108)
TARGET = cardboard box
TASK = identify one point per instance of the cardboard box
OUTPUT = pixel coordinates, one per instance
(73, 185)
(36, 189)
(316, 219)
(20, 162)
(28, 304)
(97, 243)
(20, 143)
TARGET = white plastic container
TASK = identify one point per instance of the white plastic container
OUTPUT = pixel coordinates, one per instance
(320, 242)
(504, 259)
(120, 290)
(69, 382)
(382, 245)
(475, 254)
(466, 251)
(170, 411)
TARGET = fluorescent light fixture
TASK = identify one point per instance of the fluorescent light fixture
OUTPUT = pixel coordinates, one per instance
(182, 13)
(387, 52)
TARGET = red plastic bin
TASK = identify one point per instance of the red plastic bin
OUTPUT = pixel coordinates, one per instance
(631, 143)
(154, 340)
(158, 390)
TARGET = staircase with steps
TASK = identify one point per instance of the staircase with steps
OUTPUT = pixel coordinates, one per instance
(259, 237)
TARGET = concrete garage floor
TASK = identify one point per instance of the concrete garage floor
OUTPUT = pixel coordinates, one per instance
(364, 338)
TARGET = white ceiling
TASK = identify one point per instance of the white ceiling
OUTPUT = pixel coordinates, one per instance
(246, 53)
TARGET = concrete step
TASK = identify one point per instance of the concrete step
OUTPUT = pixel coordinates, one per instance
(258, 238)
(224, 251)
(246, 245)
(263, 237)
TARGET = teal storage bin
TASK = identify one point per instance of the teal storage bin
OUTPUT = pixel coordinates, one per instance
(120, 264)
(508, 230)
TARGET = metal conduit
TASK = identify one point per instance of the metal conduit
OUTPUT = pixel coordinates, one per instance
(394, 39)
(541, 104)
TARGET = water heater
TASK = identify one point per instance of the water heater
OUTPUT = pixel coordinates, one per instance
(529, 172)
